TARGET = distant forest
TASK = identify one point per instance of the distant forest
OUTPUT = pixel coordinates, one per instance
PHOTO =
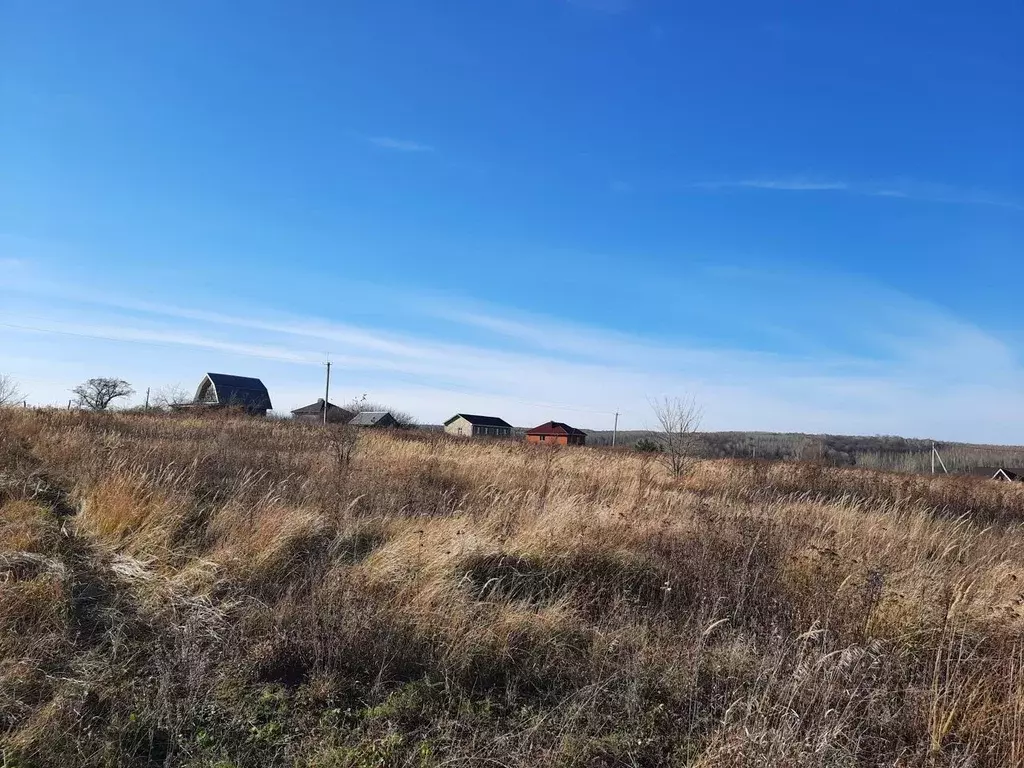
(879, 452)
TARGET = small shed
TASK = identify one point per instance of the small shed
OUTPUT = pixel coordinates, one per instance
(471, 425)
(226, 390)
(373, 419)
(314, 413)
(556, 433)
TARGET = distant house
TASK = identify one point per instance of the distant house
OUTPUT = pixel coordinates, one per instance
(471, 425)
(224, 390)
(373, 419)
(314, 413)
(1005, 474)
(556, 433)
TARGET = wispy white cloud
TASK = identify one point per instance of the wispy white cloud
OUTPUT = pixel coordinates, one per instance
(162, 338)
(902, 189)
(945, 193)
(788, 184)
(399, 145)
(794, 185)
(917, 370)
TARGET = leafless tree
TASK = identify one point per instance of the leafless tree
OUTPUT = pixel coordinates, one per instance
(9, 392)
(811, 449)
(97, 394)
(166, 398)
(678, 420)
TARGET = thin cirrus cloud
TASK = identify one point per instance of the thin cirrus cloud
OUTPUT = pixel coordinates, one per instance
(794, 185)
(903, 381)
(902, 190)
(399, 145)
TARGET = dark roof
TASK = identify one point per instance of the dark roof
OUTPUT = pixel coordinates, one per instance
(372, 419)
(315, 408)
(480, 421)
(239, 390)
(1012, 473)
(556, 428)
(984, 471)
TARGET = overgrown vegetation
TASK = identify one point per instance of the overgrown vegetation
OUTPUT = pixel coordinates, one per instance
(226, 592)
(887, 452)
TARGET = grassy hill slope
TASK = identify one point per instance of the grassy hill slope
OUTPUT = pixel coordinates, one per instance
(233, 593)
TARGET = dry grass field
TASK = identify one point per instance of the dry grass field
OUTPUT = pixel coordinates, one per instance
(231, 593)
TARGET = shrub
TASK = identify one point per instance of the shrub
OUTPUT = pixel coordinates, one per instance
(646, 445)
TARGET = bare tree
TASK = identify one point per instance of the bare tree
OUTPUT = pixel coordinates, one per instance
(9, 392)
(678, 421)
(167, 398)
(97, 394)
(810, 449)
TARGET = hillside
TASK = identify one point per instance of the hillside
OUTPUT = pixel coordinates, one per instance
(231, 593)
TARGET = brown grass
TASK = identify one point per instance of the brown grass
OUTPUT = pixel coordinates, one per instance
(232, 593)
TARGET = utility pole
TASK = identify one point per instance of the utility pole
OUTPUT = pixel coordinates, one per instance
(147, 398)
(615, 429)
(327, 390)
(933, 457)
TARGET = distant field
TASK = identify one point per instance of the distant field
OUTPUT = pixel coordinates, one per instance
(233, 593)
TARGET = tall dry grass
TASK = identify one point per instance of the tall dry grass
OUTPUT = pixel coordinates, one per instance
(232, 592)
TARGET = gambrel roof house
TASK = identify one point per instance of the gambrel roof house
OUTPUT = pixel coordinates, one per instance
(223, 389)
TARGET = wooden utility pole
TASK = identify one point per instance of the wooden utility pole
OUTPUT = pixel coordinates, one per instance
(147, 398)
(615, 429)
(327, 390)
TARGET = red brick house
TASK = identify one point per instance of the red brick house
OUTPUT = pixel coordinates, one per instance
(556, 433)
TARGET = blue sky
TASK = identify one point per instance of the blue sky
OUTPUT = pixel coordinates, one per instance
(810, 216)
